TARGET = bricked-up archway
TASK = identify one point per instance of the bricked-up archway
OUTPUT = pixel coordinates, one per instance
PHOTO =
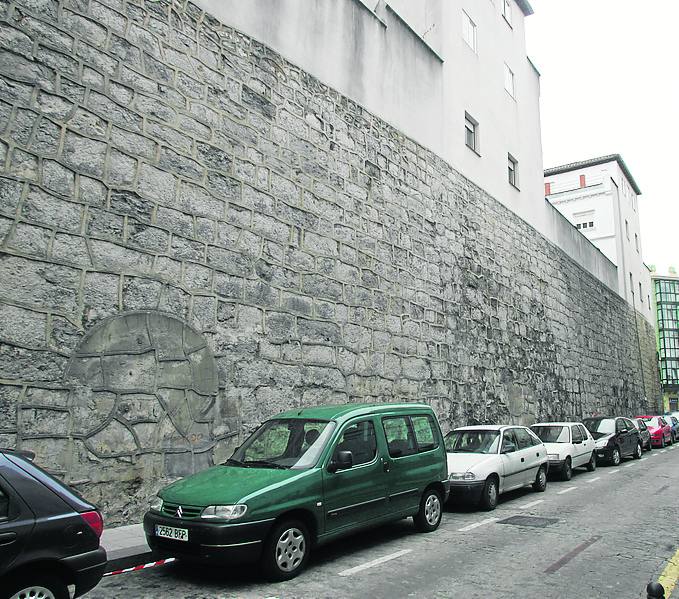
(143, 387)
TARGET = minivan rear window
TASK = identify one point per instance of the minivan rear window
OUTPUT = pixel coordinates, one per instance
(426, 433)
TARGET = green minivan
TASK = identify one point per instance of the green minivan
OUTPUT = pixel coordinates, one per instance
(304, 478)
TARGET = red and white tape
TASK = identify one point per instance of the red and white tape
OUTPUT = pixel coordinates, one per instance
(161, 562)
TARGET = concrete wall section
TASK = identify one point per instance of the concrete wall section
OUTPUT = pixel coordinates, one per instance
(197, 234)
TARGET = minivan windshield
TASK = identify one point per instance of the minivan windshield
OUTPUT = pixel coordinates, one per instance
(284, 443)
(551, 434)
(600, 426)
(472, 441)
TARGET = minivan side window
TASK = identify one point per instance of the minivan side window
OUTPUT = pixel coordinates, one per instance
(360, 440)
(400, 438)
(425, 432)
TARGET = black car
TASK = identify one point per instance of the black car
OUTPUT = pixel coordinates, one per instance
(49, 535)
(615, 438)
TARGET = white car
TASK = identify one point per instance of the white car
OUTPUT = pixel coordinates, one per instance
(485, 461)
(569, 445)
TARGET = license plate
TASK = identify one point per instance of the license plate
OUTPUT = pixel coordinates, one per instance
(169, 532)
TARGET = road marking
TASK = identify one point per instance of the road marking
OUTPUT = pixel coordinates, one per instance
(661, 489)
(593, 480)
(477, 524)
(669, 576)
(161, 562)
(654, 455)
(630, 465)
(663, 450)
(614, 471)
(560, 563)
(568, 490)
(531, 504)
(375, 562)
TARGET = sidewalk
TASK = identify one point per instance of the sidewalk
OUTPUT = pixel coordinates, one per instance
(125, 546)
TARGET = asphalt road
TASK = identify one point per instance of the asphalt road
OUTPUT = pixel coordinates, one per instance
(612, 531)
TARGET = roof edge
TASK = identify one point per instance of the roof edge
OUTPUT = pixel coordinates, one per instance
(565, 168)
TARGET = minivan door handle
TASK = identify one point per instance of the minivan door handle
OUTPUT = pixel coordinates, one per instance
(386, 465)
(7, 538)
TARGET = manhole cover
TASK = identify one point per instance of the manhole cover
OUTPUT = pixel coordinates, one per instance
(529, 521)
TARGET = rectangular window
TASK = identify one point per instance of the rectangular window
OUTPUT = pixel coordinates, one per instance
(548, 189)
(400, 438)
(507, 10)
(471, 132)
(641, 294)
(583, 181)
(513, 170)
(636, 242)
(509, 80)
(469, 30)
(627, 229)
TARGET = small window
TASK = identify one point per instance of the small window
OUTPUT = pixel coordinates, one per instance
(471, 133)
(513, 170)
(641, 294)
(576, 434)
(627, 229)
(400, 438)
(425, 433)
(579, 225)
(591, 224)
(636, 242)
(507, 10)
(360, 440)
(469, 30)
(4, 506)
(523, 438)
(509, 80)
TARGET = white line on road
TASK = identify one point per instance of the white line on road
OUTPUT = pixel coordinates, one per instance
(477, 524)
(654, 455)
(630, 465)
(531, 504)
(614, 471)
(593, 480)
(663, 450)
(568, 490)
(375, 562)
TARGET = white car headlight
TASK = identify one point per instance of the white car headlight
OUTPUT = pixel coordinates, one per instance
(156, 504)
(553, 456)
(224, 512)
(462, 476)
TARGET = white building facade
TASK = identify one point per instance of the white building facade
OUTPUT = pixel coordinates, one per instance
(600, 198)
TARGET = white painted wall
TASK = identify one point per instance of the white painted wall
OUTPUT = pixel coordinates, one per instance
(407, 62)
(609, 195)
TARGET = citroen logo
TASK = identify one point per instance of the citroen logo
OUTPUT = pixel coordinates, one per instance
(179, 512)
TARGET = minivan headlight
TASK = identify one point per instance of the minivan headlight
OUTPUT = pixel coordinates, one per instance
(224, 512)
(156, 504)
(462, 476)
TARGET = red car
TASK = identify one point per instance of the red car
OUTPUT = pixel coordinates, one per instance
(661, 432)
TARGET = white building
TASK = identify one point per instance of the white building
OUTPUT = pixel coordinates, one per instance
(601, 199)
(451, 74)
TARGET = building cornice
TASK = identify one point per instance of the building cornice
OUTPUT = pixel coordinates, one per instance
(558, 170)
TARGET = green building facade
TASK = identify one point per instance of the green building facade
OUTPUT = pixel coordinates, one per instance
(667, 311)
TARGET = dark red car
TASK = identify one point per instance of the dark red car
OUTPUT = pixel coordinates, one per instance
(661, 432)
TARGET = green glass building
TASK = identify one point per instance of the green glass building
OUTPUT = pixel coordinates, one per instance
(667, 310)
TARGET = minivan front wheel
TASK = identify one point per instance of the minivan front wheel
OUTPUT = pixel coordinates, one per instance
(38, 587)
(430, 513)
(286, 550)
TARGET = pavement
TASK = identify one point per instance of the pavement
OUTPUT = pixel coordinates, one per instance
(604, 534)
(125, 546)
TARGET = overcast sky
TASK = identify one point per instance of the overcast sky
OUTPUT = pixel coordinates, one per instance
(610, 84)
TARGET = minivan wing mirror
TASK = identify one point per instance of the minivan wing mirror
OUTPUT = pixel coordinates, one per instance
(343, 460)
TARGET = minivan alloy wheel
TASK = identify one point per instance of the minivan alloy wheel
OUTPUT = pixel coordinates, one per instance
(34, 592)
(290, 549)
(432, 509)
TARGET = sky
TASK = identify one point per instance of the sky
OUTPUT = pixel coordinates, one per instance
(610, 84)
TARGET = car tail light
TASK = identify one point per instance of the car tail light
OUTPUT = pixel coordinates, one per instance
(94, 521)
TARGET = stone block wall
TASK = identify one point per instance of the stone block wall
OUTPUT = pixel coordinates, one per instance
(196, 234)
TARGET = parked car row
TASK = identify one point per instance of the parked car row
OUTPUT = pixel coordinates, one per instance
(302, 479)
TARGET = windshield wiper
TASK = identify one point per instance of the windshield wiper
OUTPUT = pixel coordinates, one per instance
(265, 463)
(234, 462)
